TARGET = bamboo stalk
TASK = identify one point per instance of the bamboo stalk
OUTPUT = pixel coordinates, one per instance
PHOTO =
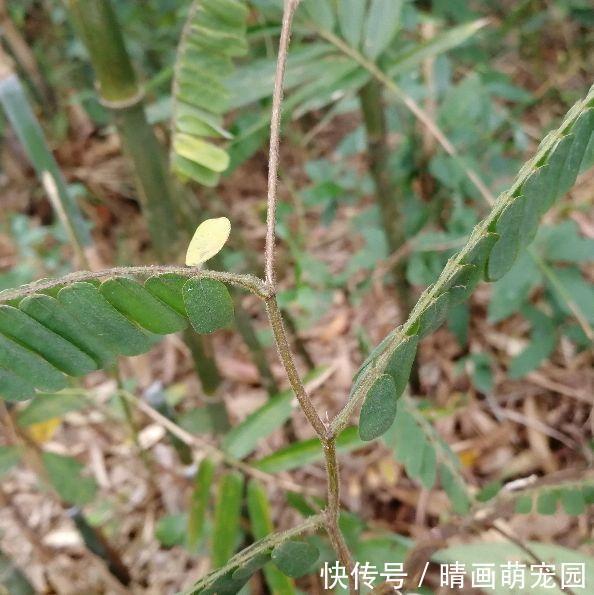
(388, 197)
(122, 95)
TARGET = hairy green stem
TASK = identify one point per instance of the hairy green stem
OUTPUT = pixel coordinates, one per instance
(249, 282)
(288, 362)
(327, 438)
(454, 264)
(332, 512)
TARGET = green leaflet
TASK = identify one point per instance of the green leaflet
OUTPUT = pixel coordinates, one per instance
(241, 440)
(497, 240)
(379, 409)
(98, 317)
(88, 325)
(65, 476)
(13, 387)
(208, 304)
(49, 407)
(350, 19)
(226, 520)
(10, 456)
(225, 585)
(205, 154)
(573, 502)
(30, 367)
(542, 343)
(424, 454)
(261, 525)
(321, 12)
(199, 502)
(62, 354)
(56, 317)
(214, 33)
(546, 503)
(138, 304)
(246, 571)
(306, 452)
(523, 505)
(574, 497)
(168, 288)
(295, 558)
(383, 21)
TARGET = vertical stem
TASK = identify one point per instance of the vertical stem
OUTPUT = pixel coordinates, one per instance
(204, 362)
(374, 117)
(122, 95)
(286, 356)
(275, 125)
(152, 178)
(246, 329)
(327, 438)
(387, 196)
(333, 511)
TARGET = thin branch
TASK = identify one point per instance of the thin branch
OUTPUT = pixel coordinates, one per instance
(275, 125)
(327, 438)
(286, 357)
(249, 282)
(333, 512)
(202, 444)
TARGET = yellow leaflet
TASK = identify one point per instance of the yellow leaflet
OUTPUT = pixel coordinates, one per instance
(44, 431)
(210, 236)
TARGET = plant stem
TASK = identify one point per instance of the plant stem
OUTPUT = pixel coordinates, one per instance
(123, 96)
(286, 357)
(374, 117)
(387, 197)
(153, 184)
(204, 362)
(327, 438)
(332, 512)
(249, 282)
(248, 333)
(275, 125)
